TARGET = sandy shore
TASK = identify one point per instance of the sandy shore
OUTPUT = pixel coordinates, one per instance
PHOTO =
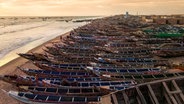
(11, 68)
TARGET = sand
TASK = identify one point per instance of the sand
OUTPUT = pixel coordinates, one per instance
(11, 68)
(21, 38)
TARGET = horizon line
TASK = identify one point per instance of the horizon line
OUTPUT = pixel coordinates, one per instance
(84, 15)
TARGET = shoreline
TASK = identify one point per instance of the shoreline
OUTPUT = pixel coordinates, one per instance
(27, 39)
(10, 68)
(20, 61)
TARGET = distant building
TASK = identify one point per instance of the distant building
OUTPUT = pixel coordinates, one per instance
(171, 21)
(147, 19)
(164, 19)
(160, 21)
(126, 15)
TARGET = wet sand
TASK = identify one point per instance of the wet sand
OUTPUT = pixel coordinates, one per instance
(11, 68)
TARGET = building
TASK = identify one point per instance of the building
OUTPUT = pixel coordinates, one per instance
(164, 19)
(171, 21)
(126, 15)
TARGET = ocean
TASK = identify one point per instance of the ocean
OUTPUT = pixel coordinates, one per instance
(26, 33)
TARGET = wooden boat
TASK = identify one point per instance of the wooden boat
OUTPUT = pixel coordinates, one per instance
(75, 48)
(20, 80)
(155, 41)
(121, 44)
(89, 84)
(171, 50)
(72, 43)
(103, 49)
(78, 54)
(114, 38)
(83, 47)
(110, 38)
(165, 91)
(144, 78)
(119, 65)
(70, 79)
(124, 70)
(138, 51)
(67, 91)
(30, 98)
(72, 49)
(59, 67)
(133, 62)
(33, 56)
(67, 61)
(67, 56)
(62, 74)
(180, 66)
(70, 59)
(60, 59)
(65, 65)
(111, 55)
(89, 39)
(132, 59)
(39, 80)
(77, 51)
(124, 65)
(52, 50)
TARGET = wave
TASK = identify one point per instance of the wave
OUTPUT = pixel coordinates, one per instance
(12, 29)
(16, 45)
(23, 41)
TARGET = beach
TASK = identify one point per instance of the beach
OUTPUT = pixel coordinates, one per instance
(91, 52)
(98, 30)
(24, 37)
(11, 68)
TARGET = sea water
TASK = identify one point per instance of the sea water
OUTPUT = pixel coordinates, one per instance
(22, 37)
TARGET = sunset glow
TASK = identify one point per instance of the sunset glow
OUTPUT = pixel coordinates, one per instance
(88, 7)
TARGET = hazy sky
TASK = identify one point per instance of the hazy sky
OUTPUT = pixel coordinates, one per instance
(88, 7)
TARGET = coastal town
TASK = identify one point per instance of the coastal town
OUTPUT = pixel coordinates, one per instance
(121, 59)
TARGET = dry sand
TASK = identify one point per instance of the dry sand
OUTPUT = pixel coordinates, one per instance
(11, 68)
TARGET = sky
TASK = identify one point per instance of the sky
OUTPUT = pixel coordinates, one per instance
(89, 7)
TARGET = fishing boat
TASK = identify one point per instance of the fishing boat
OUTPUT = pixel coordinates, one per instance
(20, 80)
(78, 54)
(165, 91)
(133, 61)
(171, 50)
(128, 44)
(89, 84)
(67, 91)
(127, 71)
(111, 55)
(51, 50)
(70, 58)
(39, 80)
(55, 74)
(81, 46)
(30, 98)
(59, 67)
(155, 40)
(145, 78)
(33, 56)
